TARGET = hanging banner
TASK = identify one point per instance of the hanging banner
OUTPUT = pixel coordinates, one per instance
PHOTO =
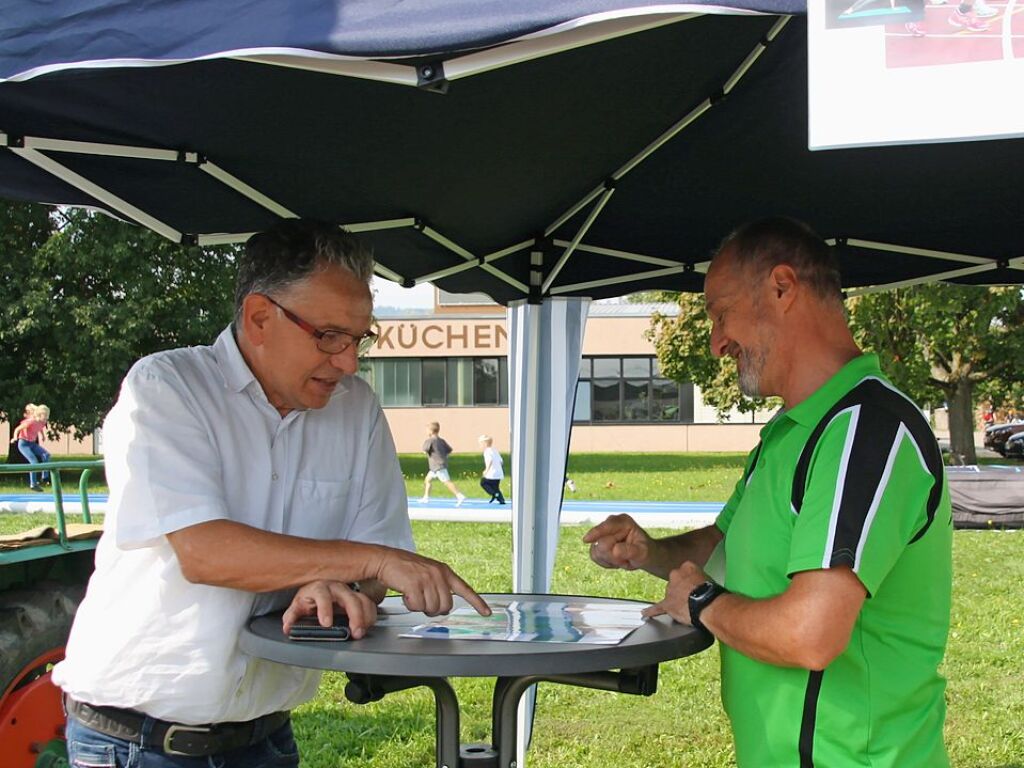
(914, 71)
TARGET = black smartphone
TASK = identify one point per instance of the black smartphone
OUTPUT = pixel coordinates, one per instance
(308, 628)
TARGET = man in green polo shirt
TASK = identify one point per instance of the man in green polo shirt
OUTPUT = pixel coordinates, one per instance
(827, 576)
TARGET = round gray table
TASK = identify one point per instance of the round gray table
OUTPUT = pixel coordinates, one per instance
(382, 662)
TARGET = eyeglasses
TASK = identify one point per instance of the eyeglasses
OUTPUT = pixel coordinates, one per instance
(329, 342)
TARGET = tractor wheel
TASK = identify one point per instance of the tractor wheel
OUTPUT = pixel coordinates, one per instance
(34, 627)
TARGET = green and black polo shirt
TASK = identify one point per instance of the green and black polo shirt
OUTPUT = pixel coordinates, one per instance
(852, 476)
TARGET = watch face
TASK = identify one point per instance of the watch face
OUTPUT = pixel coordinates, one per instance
(702, 590)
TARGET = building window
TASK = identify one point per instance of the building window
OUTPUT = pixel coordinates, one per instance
(437, 381)
(460, 381)
(485, 381)
(623, 390)
(434, 389)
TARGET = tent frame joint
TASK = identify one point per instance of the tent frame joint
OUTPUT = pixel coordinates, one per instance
(191, 158)
(430, 77)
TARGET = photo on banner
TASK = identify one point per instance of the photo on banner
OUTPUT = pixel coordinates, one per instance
(914, 71)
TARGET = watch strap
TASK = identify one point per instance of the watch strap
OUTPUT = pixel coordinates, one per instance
(700, 598)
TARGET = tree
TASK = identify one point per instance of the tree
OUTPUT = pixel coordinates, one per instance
(100, 295)
(24, 229)
(936, 342)
(683, 346)
(939, 342)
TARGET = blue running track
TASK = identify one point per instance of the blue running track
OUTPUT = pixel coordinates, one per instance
(650, 513)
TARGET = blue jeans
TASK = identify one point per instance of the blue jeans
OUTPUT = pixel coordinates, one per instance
(34, 453)
(91, 749)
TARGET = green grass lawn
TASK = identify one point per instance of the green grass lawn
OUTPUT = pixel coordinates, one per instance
(683, 724)
(604, 476)
(598, 476)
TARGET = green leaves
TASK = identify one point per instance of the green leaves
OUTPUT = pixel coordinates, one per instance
(683, 346)
(936, 342)
(90, 296)
(930, 337)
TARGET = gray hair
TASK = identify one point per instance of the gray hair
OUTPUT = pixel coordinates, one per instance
(291, 251)
(762, 245)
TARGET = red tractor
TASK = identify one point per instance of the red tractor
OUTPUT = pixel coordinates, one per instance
(42, 581)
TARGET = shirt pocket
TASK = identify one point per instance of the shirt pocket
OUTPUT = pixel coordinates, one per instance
(322, 508)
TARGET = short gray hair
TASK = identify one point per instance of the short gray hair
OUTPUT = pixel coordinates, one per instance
(764, 244)
(294, 249)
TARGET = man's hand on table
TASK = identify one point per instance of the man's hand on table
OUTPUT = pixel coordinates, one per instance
(676, 603)
(426, 585)
(323, 598)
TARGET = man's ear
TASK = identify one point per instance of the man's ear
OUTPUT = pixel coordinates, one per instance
(256, 311)
(783, 283)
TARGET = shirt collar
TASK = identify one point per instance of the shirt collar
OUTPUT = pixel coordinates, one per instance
(813, 409)
(236, 372)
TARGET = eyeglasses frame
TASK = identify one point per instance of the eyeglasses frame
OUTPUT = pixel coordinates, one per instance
(363, 342)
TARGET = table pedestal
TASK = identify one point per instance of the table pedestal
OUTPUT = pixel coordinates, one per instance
(501, 753)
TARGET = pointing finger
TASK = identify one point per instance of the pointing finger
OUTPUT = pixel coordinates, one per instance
(463, 590)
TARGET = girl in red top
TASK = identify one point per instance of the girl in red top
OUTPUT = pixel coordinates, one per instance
(26, 434)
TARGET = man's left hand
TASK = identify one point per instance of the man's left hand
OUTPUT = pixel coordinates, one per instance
(676, 603)
(322, 598)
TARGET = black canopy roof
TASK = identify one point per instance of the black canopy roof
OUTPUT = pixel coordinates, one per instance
(520, 149)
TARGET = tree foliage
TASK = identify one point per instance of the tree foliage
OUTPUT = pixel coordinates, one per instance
(938, 343)
(98, 295)
(24, 229)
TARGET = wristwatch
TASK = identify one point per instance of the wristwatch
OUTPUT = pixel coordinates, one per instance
(700, 598)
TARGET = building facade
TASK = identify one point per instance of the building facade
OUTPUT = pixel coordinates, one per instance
(451, 366)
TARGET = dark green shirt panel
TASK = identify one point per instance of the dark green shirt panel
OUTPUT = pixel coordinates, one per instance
(870, 532)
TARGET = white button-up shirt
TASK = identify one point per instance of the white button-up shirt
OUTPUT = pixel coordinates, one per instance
(193, 438)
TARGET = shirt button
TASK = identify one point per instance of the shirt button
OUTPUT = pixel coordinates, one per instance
(274, 476)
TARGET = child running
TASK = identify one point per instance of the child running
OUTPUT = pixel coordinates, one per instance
(493, 471)
(438, 450)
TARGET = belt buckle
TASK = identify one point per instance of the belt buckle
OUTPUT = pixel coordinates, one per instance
(176, 728)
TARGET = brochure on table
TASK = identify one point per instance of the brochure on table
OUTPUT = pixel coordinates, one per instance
(537, 621)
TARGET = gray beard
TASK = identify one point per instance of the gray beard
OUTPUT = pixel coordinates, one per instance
(750, 372)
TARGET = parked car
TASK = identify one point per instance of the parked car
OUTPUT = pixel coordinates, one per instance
(1014, 446)
(997, 435)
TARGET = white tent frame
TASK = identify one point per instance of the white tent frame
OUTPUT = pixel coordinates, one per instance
(588, 30)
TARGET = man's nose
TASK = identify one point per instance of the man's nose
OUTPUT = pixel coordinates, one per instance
(346, 361)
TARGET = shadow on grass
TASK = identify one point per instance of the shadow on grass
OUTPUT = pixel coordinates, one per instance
(349, 732)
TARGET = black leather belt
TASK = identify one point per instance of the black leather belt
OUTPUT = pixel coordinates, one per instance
(175, 738)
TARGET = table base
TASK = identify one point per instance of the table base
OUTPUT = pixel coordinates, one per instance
(508, 691)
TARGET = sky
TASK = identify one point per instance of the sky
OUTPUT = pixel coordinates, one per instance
(389, 294)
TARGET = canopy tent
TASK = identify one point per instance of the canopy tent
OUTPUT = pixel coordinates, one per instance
(619, 141)
(534, 151)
